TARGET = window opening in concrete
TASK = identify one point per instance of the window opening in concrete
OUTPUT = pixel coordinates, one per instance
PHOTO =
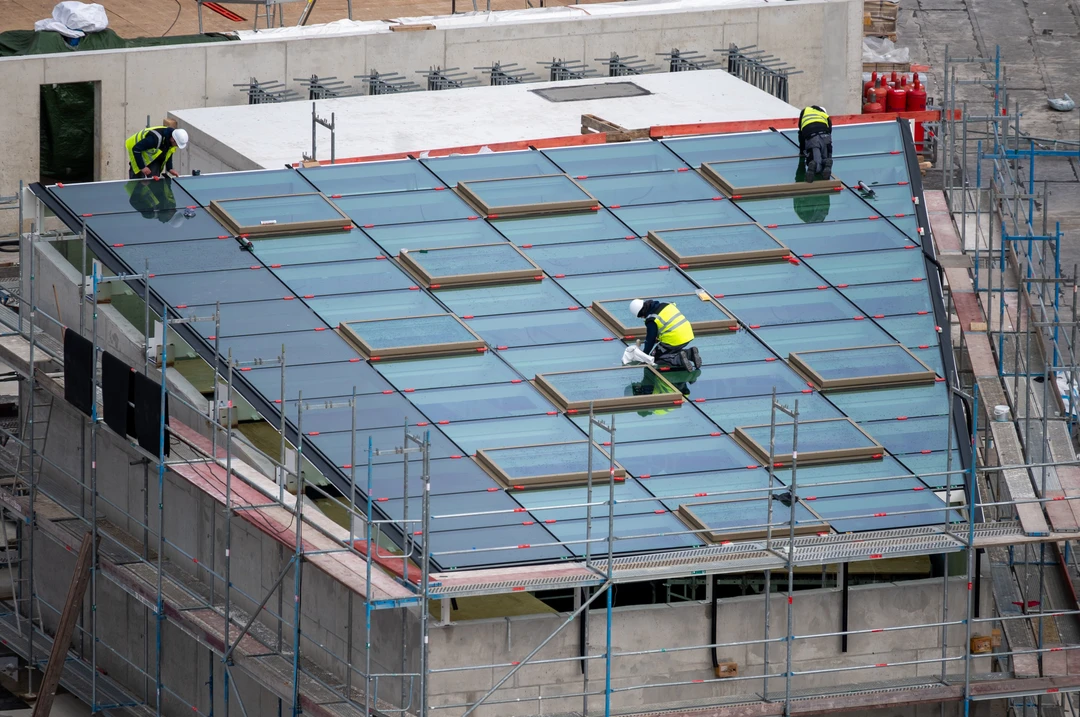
(608, 90)
(69, 132)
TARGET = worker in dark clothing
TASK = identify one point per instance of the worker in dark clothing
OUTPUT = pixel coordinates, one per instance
(667, 334)
(815, 141)
(150, 151)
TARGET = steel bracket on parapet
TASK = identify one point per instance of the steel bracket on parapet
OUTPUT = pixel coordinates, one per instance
(387, 83)
(261, 93)
(449, 79)
(560, 70)
(760, 69)
(324, 88)
(509, 74)
(627, 65)
(680, 61)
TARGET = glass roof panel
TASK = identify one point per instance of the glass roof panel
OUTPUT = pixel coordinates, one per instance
(793, 338)
(594, 257)
(301, 347)
(888, 511)
(531, 360)
(404, 207)
(448, 475)
(861, 363)
(223, 286)
(649, 188)
(549, 459)
(253, 317)
(316, 248)
(762, 277)
(870, 267)
(909, 225)
(371, 177)
(911, 435)
(280, 210)
(931, 356)
(855, 478)
(597, 160)
(449, 511)
(180, 257)
(338, 447)
(470, 260)
(699, 244)
(155, 227)
(807, 208)
(309, 280)
(456, 549)
(912, 329)
(411, 331)
(814, 437)
(633, 533)
(532, 191)
(747, 379)
(603, 384)
(753, 173)
(696, 311)
(646, 425)
(471, 370)
(862, 235)
(733, 484)
(588, 288)
(241, 185)
(886, 403)
(871, 168)
(757, 410)
(490, 165)
(373, 305)
(569, 503)
(430, 235)
(866, 138)
(907, 297)
(322, 381)
(681, 455)
(732, 147)
(730, 347)
(470, 403)
(889, 199)
(544, 327)
(934, 468)
(522, 297)
(678, 215)
(135, 195)
(741, 518)
(373, 410)
(790, 307)
(559, 228)
(519, 430)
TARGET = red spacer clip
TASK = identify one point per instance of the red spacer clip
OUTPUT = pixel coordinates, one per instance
(609, 338)
(571, 410)
(528, 522)
(925, 452)
(700, 495)
(771, 226)
(916, 278)
(717, 199)
(438, 189)
(792, 260)
(287, 298)
(444, 423)
(699, 400)
(560, 276)
(436, 286)
(922, 313)
(718, 296)
(879, 316)
(770, 358)
(645, 475)
(524, 545)
(211, 338)
(752, 468)
(807, 256)
(549, 521)
(472, 218)
(526, 246)
(181, 306)
(682, 169)
(909, 246)
(414, 288)
(335, 196)
(117, 245)
(491, 490)
(615, 206)
(877, 456)
(898, 215)
(502, 348)
(924, 346)
(716, 433)
(629, 238)
(902, 184)
(572, 308)
(684, 266)
(858, 318)
(313, 433)
(519, 510)
(736, 196)
(492, 216)
(822, 288)
(872, 217)
(901, 418)
(582, 176)
(368, 226)
(841, 286)
(808, 390)
(659, 511)
(663, 267)
(755, 326)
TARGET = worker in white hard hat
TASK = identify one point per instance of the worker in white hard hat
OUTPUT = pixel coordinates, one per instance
(150, 151)
(667, 334)
(815, 141)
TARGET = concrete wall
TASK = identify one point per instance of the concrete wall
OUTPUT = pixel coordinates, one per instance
(820, 37)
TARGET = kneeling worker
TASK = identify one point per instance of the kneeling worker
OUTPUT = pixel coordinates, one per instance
(815, 141)
(667, 334)
(150, 151)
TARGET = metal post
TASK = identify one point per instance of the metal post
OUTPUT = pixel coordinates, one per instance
(791, 557)
(298, 558)
(228, 510)
(610, 566)
(93, 488)
(161, 512)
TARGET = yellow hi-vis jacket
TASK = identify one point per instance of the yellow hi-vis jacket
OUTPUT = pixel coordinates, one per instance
(810, 115)
(672, 327)
(149, 156)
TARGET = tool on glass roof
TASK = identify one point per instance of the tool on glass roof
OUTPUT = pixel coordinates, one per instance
(864, 191)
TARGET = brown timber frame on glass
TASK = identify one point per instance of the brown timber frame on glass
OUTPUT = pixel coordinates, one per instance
(219, 210)
(835, 455)
(487, 459)
(637, 331)
(350, 334)
(616, 403)
(712, 171)
(686, 513)
(799, 361)
(524, 210)
(655, 238)
(414, 267)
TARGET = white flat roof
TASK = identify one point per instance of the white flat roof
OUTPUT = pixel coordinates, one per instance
(272, 135)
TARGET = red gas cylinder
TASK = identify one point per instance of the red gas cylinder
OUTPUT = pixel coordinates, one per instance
(903, 81)
(896, 99)
(916, 102)
(894, 80)
(869, 83)
(881, 91)
(872, 106)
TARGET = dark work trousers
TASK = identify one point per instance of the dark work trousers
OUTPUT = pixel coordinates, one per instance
(818, 154)
(156, 169)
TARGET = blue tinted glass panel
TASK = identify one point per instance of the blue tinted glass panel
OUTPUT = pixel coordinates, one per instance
(619, 382)
(576, 227)
(253, 317)
(935, 469)
(239, 185)
(343, 277)
(931, 356)
(690, 306)
(755, 278)
(633, 533)
(887, 511)
(876, 476)
(750, 516)
(506, 299)
(733, 484)
(223, 286)
(546, 460)
(871, 169)
(448, 475)
(599, 287)
(448, 511)
(814, 436)
(807, 208)
(494, 165)
(570, 503)
(835, 237)
(633, 426)
(618, 158)
(280, 210)
(885, 403)
(730, 347)
(595, 257)
(470, 370)
(188, 256)
(750, 173)
(649, 188)
(757, 410)
(532, 360)
(373, 305)
(518, 431)
(889, 199)
(373, 410)
(790, 307)
(546, 327)
(155, 226)
(861, 362)
(301, 347)
(732, 147)
(719, 240)
(909, 225)
(681, 455)
(494, 546)
(371, 177)
(793, 338)
(404, 207)
(898, 298)
(136, 195)
(322, 381)
(470, 259)
(315, 248)
(432, 235)
(678, 215)
(411, 331)
(338, 447)
(470, 403)
(747, 379)
(913, 329)
(911, 435)
(523, 191)
(866, 138)
(870, 267)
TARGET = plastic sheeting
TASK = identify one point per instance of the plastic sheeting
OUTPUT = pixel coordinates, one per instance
(74, 19)
(28, 42)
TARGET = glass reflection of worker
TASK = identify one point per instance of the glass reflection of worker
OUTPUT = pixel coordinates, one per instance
(667, 334)
(651, 383)
(153, 199)
(812, 208)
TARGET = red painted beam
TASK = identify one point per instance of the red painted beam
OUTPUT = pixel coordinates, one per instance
(677, 130)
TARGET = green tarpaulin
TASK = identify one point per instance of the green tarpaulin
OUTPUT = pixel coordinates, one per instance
(29, 42)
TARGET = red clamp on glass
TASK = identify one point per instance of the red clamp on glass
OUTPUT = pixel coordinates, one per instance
(528, 522)
(922, 313)
(880, 515)
(438, 189)
(901, 214)
(872, 217)
(348, 228)
(718, 296)
(792, 260)
(466, 316)
(571, 410)
(822, 288)
(489, 490)
(771, 226)
(629, 238)
(609, 338)
(376, 358)
(519, 510)
(909, 246)
(664, 267)
(808, 390)
(422, 423)
(838, 189)
(733, 196)
(356, 360)
(919, 488)
(699, 400)
(645, 475)
(86, 215)
(615, 206)
(502, 348)
(414, 288)
(275, 266)
(309, 296)
(549, 521)
(684, 266)
(810, 497)
(539, 278)
(211, 338)
(287, 298)
(380, 257)
(459, 456)
(368, 226)
(629, 336)
(406, 390)
(939, 379)
(519, 487)
(120, 245)
(752, 468)
(717, 199)
(313, 433)
(181, 306)
(902, 184)
(526, 246)
(858, 318)
(925, 452)
(246, 368)
(733, 328)
(335, 196)
(755, 326)
(901, 418)
(560, 276)
(492, 216)
(60, 184)
(715, 434)
(481, 349)
(810, 384)
(436, 286)
(320, 328)
(877, 556)
(553, 413)
(254, 268)
(879, 316)
(572, 308)
(924, 346)
(595, 208)
(659, 511)
(841, 286)
(807, 256)
(700, 495)
(778, 465)
(770, 358)
(678, 402)
(473, 218)
(582, 176)
(916, 278)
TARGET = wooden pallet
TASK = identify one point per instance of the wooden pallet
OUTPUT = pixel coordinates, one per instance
(879, 18)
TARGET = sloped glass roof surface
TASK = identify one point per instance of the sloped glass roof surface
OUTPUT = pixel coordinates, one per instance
(856, 277)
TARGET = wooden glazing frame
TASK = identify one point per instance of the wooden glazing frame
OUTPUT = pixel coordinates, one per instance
(818, 186)
(601, 474)
(705, 260)
(670, 398)
(346, 331)
(523, 210)
(835, 455)
(701, 328)
(687, 515)
(887, 380)
(458, 281)
(219, 210)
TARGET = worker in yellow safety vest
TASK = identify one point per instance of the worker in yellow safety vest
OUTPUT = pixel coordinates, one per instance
(815, 142)
(150, 151)
(667, 334)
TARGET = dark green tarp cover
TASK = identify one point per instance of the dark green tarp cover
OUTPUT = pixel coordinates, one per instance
(30, 42)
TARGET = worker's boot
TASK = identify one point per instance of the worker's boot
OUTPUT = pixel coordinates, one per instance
(695, 357)
(685, 362)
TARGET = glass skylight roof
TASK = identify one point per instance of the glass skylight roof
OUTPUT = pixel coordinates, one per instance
(848, 285)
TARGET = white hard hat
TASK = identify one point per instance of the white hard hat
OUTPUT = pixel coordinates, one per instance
(636, 306)
(180, 135)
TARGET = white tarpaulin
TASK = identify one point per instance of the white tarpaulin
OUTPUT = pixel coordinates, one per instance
(74, 19)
